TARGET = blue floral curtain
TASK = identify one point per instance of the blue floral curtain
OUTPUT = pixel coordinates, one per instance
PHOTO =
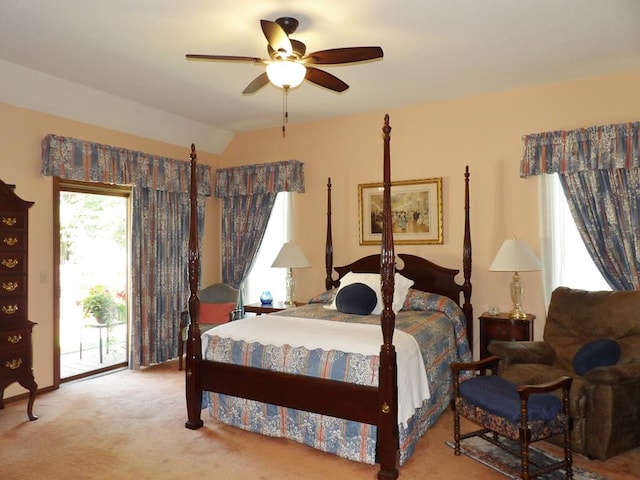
(599, 169)
(248, 194)
(160, 232)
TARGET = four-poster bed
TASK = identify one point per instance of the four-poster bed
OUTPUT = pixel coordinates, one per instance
(368, 402)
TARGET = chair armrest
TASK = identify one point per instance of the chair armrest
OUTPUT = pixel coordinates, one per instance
(614, 374)
(522, 352)
(488, 362)
(563, 382)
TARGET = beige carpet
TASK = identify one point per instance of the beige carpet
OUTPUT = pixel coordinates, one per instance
(130, 425)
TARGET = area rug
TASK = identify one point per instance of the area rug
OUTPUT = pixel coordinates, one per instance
(509, 465)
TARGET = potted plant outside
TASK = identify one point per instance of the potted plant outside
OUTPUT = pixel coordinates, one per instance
(99, 304)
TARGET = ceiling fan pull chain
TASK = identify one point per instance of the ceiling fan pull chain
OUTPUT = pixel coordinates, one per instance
(285, 109)
(284, 95)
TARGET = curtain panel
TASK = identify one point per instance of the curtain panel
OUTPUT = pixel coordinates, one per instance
(74, 159)
(286, 176)
(605, 147)
(160, 232)
(599, 172)
(248, 194)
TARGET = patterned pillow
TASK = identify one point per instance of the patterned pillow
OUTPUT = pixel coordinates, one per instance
(215, 312)
(356, 298)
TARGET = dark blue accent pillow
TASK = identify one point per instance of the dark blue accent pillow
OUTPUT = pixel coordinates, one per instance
(598, 353)
(356, 298)
(499, 396)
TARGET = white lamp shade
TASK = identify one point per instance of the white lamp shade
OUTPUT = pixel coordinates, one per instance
(286, 73)
(291, 256)
(515, 256)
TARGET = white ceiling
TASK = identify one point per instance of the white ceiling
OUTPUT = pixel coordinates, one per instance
(131, 53)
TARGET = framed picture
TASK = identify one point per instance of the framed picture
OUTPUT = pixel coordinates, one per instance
(416, 212)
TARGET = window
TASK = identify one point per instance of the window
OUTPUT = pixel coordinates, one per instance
(262, 277)
(566, 259)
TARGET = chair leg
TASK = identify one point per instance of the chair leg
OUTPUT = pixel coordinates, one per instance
(456, 428)
(524, 474)
(567, 449)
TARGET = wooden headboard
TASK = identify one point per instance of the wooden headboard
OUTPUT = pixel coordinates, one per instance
(426, 275)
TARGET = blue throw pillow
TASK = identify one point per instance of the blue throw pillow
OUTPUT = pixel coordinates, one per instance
(356, 298)
(598, 353)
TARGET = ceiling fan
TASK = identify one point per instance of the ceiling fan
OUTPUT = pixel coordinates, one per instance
(289, 65)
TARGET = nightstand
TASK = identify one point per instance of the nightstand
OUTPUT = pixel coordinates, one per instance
(260, 308)
(503, 327)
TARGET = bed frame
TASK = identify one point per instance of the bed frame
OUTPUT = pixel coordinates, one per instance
(366, 404)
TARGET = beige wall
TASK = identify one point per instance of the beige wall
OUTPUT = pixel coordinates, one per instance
(21, 132)
(438, 140)
(434, 140)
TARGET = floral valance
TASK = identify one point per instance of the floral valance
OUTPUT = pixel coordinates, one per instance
(74, 159)
(285, 176)
(605, 147)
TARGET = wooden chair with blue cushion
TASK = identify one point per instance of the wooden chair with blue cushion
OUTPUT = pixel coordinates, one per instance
(218, 304)
(522, 413)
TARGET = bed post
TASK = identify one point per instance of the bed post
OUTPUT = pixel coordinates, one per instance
(388, 382)
(467, 308)
(194, 343)
(328, 251)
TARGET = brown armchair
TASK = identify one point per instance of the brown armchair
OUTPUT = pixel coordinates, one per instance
(605, 403)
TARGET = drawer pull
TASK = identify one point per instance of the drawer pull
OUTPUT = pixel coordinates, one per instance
(14, 338)
(9, 309)
(9, 221)
(10, 241)
(10, 262)
(14, 364)
(10, 286)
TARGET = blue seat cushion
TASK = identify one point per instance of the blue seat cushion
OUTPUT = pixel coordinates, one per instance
(598, 353)
(499, 396)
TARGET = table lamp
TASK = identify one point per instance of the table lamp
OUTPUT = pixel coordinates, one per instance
(516, 256)
(290, 257)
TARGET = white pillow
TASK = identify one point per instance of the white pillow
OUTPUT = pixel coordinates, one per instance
(402, 285)
(400, 291)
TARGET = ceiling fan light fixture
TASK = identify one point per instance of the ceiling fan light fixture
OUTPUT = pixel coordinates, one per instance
(286, 73)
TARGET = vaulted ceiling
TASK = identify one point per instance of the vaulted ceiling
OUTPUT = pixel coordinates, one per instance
(134, 51)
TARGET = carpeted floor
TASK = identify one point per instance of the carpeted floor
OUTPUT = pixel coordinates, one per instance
(510, 465)
(130, 425)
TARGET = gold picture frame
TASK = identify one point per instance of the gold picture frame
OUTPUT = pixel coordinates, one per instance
(416, 212)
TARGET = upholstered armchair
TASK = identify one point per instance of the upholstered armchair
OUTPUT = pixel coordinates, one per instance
(595, 338)
(218, 304)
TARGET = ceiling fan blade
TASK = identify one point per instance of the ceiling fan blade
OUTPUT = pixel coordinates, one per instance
(326, 80)
(225, 58)
(277, 37)
(335, 56)
(257, 83)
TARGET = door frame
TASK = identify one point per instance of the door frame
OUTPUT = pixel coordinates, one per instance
(60, 185)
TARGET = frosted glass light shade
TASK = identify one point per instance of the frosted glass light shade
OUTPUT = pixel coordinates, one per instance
(286, 73)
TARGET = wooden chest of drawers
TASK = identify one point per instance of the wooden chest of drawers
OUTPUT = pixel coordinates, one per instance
(502, 327)
(16, 355)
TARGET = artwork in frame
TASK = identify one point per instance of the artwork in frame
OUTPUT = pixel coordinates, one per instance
(416, 212)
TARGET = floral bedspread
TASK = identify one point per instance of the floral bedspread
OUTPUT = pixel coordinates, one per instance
(437, 324)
